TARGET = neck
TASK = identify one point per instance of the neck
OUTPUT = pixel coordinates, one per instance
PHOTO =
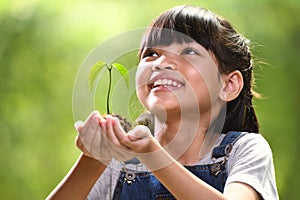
(185, 138)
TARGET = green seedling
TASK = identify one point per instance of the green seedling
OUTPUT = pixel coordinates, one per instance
(145, 119)
(95, 70)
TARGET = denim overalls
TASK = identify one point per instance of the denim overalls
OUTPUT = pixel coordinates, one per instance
(145, 186)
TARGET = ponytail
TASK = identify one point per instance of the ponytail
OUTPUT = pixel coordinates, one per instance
(240, 115)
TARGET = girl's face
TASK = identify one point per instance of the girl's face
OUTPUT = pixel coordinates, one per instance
(178, 76)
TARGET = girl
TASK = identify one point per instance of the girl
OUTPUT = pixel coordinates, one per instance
(194, 76)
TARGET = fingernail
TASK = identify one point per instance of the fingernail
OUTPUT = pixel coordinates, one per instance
(108, 118)
(102, 121)
(78, 124)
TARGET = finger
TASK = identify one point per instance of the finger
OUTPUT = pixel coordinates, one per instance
(122, 152)
(139, 132)
(81, 147)
(90, 123)
(141, 140)
(98, 116)
(93, 116)
(102, 123)
(95, 144)
(120, 133)
(90, 130)
(110, 134)
(78, 125)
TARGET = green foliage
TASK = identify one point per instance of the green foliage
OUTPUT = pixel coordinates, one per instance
(123, 71)
(42, 45)
(96, 68)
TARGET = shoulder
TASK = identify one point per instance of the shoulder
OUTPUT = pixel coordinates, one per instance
(251, 162)
(252, 149)
(254, 143)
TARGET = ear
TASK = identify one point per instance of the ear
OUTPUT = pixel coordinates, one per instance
(232, 85)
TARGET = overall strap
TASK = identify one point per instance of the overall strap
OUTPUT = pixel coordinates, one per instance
(226, 146)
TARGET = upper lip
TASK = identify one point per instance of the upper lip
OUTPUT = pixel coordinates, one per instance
(165, 75)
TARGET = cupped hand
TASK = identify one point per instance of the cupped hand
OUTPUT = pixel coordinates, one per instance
(90, 139)
(96, 139)
(146, 148)
(139, 139)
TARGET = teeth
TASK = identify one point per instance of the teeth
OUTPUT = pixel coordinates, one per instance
(158, 82)
(166, 82)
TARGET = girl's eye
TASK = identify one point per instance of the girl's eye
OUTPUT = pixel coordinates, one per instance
(190, 51)
(149, 53)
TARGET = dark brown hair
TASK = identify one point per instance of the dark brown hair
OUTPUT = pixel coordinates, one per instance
(230, 48)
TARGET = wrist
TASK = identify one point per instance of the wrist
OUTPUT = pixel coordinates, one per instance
(94, 161)
(156, 160)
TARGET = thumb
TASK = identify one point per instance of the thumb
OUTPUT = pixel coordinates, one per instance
(78, 125)
(139, 132)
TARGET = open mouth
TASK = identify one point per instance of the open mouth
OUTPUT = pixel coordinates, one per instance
(165, 83)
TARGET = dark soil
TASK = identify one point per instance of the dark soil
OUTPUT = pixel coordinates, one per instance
(146, 119)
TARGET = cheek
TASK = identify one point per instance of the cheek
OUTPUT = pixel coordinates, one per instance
(209, 81)
(141, 94)
(143, 74)
(141, 80)
(205, 85)
(200, 88)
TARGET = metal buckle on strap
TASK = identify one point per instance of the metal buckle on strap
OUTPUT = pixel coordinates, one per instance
(129, 177)
(215, 168)
(130, 173)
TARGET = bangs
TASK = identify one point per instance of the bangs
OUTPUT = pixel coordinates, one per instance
(180, 24)
(164, 37)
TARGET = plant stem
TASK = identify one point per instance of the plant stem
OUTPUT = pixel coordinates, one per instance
(108, 92)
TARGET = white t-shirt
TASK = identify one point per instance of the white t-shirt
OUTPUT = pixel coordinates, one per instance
(250, 161)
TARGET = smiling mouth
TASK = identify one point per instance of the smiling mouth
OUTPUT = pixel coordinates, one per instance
(165, 83)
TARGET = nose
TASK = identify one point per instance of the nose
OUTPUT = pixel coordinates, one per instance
(163, 63)
(157, 67)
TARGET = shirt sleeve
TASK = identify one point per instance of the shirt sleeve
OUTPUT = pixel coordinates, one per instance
(105, 185)
(101, 188)
(251, 162)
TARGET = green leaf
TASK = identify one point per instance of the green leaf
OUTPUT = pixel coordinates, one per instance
(96, 68)
(123, 71)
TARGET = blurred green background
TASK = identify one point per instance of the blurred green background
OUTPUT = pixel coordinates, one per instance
(43, 43)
